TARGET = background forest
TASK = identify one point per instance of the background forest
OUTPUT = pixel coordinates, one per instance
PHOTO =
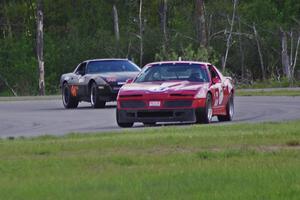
(250, 40)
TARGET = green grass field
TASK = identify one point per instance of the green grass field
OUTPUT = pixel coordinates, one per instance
(241, 161)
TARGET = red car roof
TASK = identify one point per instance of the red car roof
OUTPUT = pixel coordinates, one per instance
(177, 62)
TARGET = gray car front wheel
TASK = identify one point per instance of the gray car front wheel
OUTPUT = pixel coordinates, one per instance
(68, 100)
(94, 97)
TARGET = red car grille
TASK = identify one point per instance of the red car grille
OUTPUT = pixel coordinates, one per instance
(166, 104)
(178, 103)
(181, 95)
(145, 114)
(132, 104)
(131, 95)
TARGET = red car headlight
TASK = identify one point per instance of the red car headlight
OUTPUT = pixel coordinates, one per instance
(200, 94)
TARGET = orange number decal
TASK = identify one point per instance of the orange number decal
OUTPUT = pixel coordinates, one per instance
(74, 90)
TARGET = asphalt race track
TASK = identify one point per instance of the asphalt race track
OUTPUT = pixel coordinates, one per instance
(39, 117)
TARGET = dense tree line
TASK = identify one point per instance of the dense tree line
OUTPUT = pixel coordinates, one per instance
(249, 39)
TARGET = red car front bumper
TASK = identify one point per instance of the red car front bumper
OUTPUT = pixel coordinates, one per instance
(169, 110)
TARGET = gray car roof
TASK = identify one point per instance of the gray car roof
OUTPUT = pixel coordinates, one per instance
(105, 59)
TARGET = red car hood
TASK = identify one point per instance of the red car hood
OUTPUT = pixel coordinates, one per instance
(162, 87)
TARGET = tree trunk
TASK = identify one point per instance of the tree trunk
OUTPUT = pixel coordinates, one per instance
(163, 9)
(291, 47)
(289, 59)
(228, 42)
(284, 55)
(200, 23)
(7, 85)
(40, 46)
(295, 57)
(116, 28)
(260, 54)
(74, 4)
(9, 30)
(116, 23)
(241, 51)
(141, 33)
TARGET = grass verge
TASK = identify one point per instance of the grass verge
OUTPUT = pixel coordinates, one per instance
(29, 98)
(262, 92)
(242, 161)
(270, 83)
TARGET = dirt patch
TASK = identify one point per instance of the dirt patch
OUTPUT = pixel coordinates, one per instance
(293, 143)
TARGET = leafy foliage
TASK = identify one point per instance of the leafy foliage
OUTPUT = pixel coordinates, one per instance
(82, 29)
(189, 53)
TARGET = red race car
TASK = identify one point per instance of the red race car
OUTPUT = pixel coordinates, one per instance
(176, 91)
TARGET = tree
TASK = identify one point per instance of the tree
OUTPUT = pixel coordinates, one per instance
(263, 71)
(76, 30)
(116, 22)
(228, 42)
(289, 60)
(242, 54)
(163, 9)
(200, 23)
(141, 30)
(40, 46)
(116, 26)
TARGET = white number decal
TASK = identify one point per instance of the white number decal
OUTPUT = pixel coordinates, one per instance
(221, 96)
(217, 97)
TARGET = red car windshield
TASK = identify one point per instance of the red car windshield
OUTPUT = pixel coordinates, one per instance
(168, 72)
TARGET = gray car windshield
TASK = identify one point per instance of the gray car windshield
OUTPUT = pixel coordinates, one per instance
(111, 66)
(167, 72)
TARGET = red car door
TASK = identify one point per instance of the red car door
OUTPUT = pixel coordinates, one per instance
(218, 89)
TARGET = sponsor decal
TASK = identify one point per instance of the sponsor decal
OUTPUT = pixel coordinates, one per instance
(221, 96)
(216, 98)
(74, 90)
(154, 103)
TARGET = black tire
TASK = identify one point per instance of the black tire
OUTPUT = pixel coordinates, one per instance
(149, 123)
(204, 115)
(121, 124)
(68, 100)
(229, 111)
(94, 97)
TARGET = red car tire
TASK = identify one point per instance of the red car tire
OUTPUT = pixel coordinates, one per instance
(229, 111)
(122, 124)
(204, 115)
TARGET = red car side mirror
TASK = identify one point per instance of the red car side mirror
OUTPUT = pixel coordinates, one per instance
(129, 81)
(216, 80)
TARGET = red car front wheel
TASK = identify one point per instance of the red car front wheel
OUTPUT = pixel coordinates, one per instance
(205, 114)
(122, 124)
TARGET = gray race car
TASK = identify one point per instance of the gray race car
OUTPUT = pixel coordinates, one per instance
(97, 81)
